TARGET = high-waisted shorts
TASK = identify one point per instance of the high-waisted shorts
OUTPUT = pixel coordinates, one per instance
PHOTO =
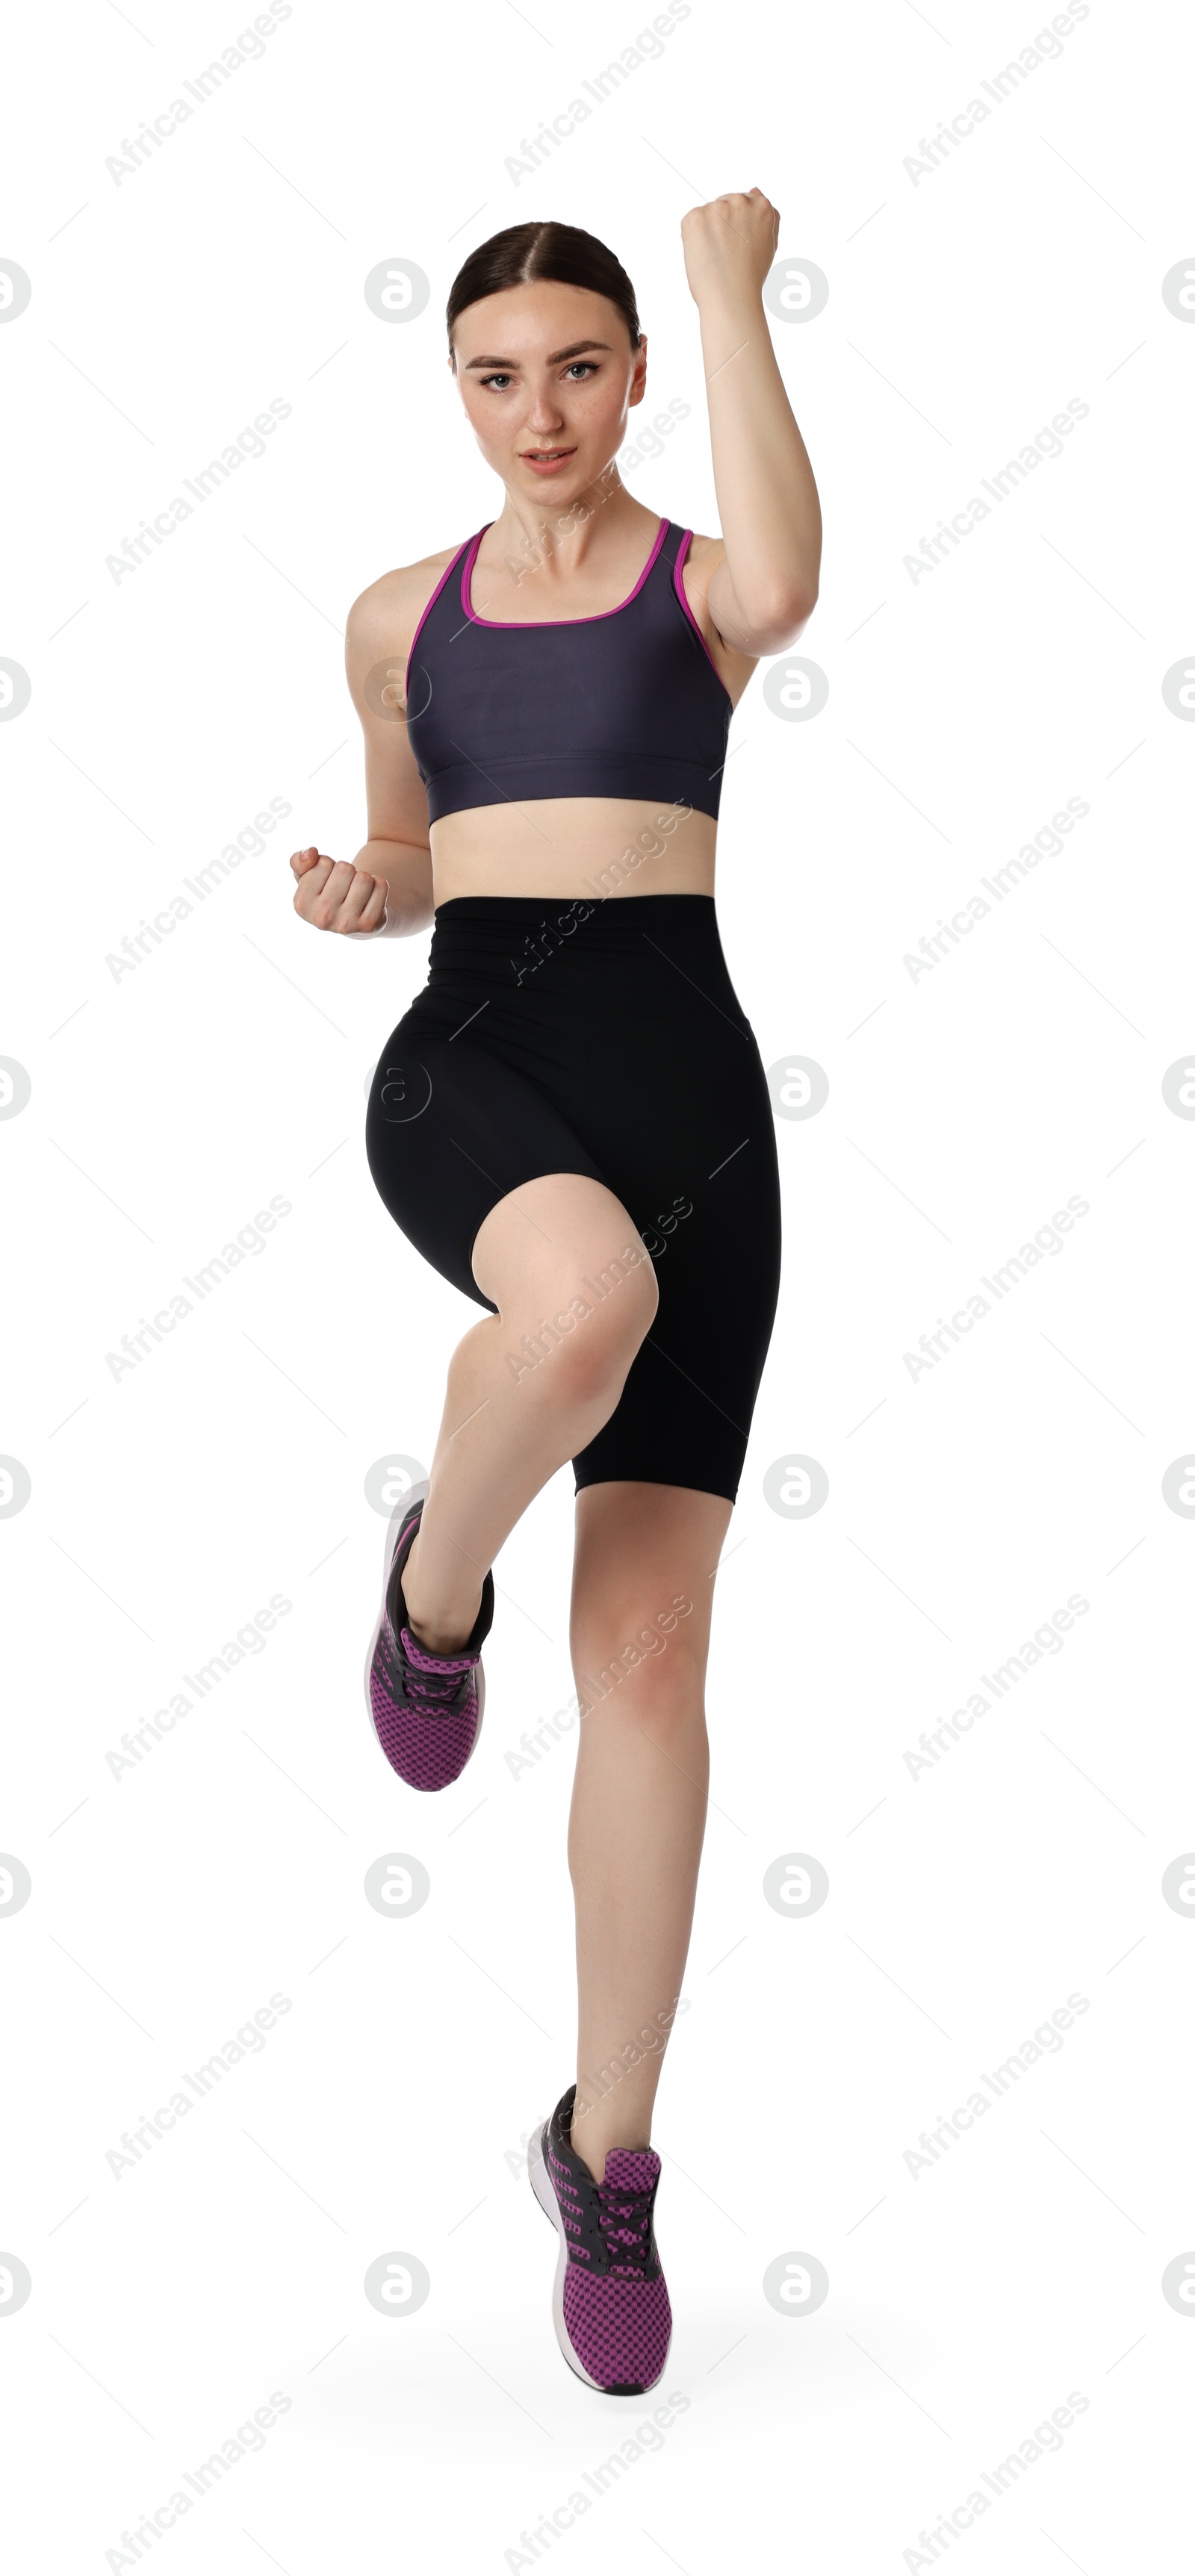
(602, 1038)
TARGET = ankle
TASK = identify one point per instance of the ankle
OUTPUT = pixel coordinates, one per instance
(592, 2139)
(443, 1627)
(440, 1639)
(587, 2150)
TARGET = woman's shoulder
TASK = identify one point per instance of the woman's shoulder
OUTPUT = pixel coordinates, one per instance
(704, 554)
(392, 605)
(702, 560)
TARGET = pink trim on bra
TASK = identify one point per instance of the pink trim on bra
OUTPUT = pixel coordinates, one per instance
(517, 624)
(679, 587)
(448, 568)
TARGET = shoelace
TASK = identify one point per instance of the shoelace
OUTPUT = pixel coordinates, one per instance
(437, 1690)
(624, 2217)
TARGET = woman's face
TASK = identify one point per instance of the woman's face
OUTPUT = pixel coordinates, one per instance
(547, 371)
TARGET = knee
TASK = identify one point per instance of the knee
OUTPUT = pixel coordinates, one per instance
(658, 1680)
(585, 1370)
(623, 1299)
(593, 1340)
(669, 1686)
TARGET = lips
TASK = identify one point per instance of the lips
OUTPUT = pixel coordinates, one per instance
(545, 458)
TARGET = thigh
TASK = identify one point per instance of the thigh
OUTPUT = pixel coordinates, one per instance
(450, 1131)
(685, 1412)
(563, 1250)
(645, 1557)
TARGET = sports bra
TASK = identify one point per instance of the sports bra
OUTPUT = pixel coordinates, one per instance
(626, 703)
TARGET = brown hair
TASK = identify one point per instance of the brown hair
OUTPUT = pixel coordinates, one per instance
(528, 251)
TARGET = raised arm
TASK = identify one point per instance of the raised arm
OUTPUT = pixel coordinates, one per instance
(765, 587)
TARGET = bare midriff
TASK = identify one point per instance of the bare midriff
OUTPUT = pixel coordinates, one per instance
(567, 848)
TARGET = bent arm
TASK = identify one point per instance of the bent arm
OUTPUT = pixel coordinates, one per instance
(766, 587)
(397, 846)
(407, 869)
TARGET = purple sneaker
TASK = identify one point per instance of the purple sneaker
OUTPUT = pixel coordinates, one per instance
(426, 1709)
(610, 2301)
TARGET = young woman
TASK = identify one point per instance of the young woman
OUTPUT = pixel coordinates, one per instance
(572, 1122)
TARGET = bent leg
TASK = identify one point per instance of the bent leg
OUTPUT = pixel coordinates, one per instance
(575, 1291)
(642, 1594)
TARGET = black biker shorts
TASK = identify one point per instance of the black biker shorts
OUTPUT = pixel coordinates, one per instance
(603, 1038)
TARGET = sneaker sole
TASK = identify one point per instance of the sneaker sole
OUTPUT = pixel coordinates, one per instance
(417, 1494)
(541, 2184)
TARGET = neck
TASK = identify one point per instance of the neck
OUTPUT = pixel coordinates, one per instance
(534, 533)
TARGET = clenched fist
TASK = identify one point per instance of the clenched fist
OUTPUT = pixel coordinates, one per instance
(730, 244)
(334, 895)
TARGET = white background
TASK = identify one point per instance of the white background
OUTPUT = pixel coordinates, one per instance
(170, 1901)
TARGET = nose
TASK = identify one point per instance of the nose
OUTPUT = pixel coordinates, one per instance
(544, 415)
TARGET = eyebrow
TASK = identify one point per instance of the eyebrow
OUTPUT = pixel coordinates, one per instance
(554, 357)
